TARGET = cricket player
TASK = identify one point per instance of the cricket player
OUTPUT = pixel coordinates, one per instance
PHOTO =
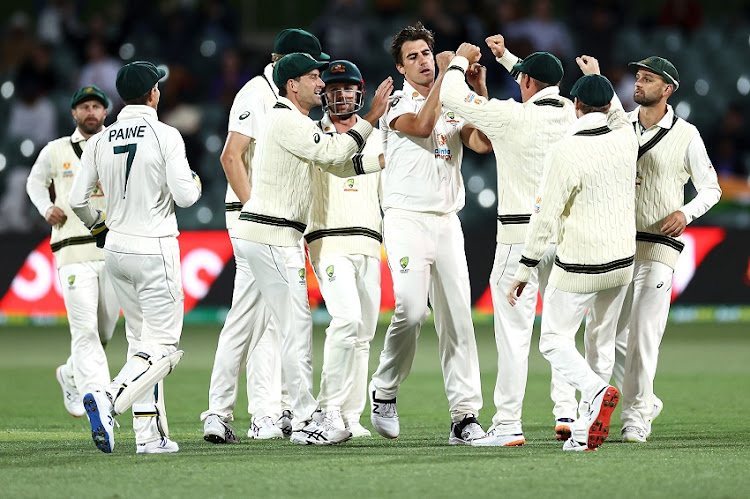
(264, 386)
(588, 188)
(272, 222)
(422, 193)
(670, 152)
(521, 134)
(90, 300)
(143, 170)
(343, 238)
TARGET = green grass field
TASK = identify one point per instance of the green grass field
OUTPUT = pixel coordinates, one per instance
(700, 446)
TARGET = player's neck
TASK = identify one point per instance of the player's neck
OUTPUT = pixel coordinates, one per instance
(651, 115)
(424, 90)
(87, 136)
(343, 126)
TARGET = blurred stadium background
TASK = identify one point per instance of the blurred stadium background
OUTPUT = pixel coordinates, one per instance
(48, 48)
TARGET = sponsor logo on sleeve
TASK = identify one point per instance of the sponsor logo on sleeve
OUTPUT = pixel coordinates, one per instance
(244, 115)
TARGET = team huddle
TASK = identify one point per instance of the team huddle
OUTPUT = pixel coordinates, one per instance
(590, 214)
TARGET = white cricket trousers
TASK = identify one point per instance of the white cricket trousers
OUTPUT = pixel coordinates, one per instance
(350, 285)
(92, 309)
(561, 318)
(427, 259)
(247, 320)
(281, 278)
(513, 328)
(146, 277)
(649, 309)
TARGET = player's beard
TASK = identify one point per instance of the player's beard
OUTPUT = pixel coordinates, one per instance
(90, 127)
(645, 100)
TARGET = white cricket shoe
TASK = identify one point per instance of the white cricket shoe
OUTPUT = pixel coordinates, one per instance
(320, 433)
(358, 431)
(217, 431)
(465, 431)
(658, 406)
(284, 423)
(498, 438)
(563, 427)
(572, 445)
(101, 416)
(71, 397)
(634, 434)
(335, 419)
(597, 418)
(383, 415)
(163, 446)
(264, 429)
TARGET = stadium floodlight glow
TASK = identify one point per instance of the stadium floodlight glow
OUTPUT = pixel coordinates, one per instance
(27, 148)
(486, 198)
(701, 87)
(7, 89)
(205, 215)
(683, 109)
(743, 85)
(127, 51)
(674, 42)
(213, 143)
(475, 183)
(3, 162)
(208, 48)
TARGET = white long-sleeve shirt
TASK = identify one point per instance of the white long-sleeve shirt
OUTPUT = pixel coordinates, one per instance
(291, 143)
(142, 167)
(588, 187)
(521, 135)
(249, 107)
(59, 163)
(671, 152)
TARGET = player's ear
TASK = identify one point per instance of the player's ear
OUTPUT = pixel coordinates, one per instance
(400, 68)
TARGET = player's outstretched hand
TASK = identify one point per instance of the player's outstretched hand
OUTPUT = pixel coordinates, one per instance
(471, 52)
(589, 65)
(380, 101)
(515, 292)
(496, 43)
(476, 76)
(444, 59)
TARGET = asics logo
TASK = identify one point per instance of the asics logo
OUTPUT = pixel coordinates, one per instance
(317, 434)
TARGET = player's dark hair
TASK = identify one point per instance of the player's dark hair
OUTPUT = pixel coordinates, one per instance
(142, 100)
(586, 109)
(410, 34)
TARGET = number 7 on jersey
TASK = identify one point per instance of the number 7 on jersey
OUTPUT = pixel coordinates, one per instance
(130, 149)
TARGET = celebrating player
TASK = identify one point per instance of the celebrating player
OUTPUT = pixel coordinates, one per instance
(343, 238)
(422, 192)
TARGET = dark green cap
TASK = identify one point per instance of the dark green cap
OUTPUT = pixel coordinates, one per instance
(541, 66)
(342, 71)
(87, 93)
(593, 90)
(294, 65)
(137, 78)
(660, 66)
(293, 40)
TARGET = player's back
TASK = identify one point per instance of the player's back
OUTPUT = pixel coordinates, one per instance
(143, 169)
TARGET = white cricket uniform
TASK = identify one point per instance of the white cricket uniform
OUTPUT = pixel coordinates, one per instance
(90, 300)
(343, 237)
(141, 165)
(422, 192)
(670, 153)
(588, 189)
(248, 311)
(521, 134)
(269, 231)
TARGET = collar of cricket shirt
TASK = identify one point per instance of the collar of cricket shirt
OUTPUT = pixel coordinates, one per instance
(665, 122)
(588, 121)
(137, 111)
(411, 92)
(553, 91)
(77, 136)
